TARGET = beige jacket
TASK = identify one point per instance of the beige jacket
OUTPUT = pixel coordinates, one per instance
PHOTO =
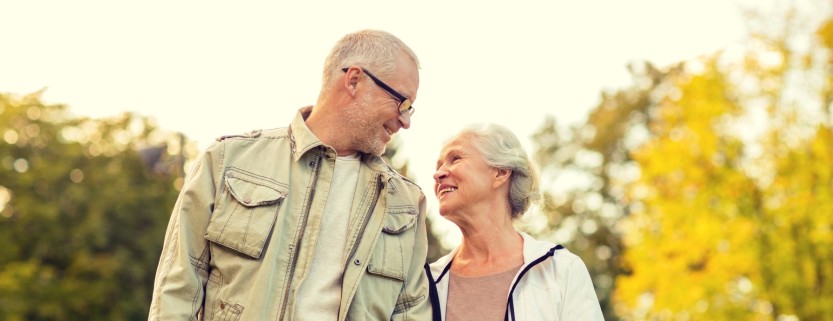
(242, 233)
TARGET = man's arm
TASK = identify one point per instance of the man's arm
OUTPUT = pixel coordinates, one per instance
(179, 287)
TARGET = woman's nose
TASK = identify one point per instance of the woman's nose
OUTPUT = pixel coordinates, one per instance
(440, 174)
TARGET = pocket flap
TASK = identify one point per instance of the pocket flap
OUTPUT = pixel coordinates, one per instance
(399, 220)
(253, 191)
(390, 267)
(245, 213)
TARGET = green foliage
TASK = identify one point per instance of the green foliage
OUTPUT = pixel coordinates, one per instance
(82, 214)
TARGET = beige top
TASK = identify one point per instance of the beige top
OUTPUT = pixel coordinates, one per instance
(319, 295)
(480, 298)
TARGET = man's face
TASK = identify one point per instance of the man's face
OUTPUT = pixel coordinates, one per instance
(376, 117)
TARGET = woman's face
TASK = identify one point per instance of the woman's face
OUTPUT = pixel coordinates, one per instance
(463, 179)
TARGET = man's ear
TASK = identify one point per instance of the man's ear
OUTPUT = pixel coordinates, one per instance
(351, 79)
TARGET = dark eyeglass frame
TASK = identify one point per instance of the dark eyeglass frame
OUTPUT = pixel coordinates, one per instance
(405, 104)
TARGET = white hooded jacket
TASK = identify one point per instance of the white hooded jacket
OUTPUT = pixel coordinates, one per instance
(553, 284)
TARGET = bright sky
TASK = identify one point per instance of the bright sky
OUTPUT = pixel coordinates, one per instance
(208, 68)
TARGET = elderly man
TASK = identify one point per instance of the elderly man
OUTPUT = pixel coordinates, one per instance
(306, 222)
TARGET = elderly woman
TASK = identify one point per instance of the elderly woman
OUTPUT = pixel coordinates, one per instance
(484, 181)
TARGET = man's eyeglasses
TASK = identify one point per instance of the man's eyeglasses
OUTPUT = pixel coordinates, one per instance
(404, 102)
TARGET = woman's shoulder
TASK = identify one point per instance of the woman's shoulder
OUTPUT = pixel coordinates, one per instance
(565, 259)
(553, 256)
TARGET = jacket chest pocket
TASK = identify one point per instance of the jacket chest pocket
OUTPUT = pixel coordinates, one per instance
(394, 249)
(245, 212)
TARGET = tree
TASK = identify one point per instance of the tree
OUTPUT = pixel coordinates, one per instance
(586, 171)
(734, 204)
(702, 191)
(82, 219)
(692, 209)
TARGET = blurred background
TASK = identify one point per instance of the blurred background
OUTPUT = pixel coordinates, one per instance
(686, 147)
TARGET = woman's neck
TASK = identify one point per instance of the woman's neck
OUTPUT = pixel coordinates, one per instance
(487, 248)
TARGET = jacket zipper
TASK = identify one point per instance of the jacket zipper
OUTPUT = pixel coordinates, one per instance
(367, 218)
(353, 250)
(297, 243)
(510, 306)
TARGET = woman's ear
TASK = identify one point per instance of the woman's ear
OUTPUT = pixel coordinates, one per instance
(502, 176)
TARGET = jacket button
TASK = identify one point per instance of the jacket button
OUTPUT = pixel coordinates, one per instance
(312, 164)
(247, 201)
(222, 305)
(357, 262)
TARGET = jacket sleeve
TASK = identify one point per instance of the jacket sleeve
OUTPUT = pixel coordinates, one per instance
(414, 301)
(580, 300)
(179, 286)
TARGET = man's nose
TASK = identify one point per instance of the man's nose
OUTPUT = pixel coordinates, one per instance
(405, 119)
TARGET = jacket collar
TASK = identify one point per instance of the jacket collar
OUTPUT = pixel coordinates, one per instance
(303, 140)
(533, 249)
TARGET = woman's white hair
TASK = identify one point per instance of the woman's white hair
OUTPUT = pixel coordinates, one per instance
(502, 149)
(374, 50)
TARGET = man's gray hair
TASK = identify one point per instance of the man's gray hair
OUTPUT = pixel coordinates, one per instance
(502, 149)
(374, 50)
